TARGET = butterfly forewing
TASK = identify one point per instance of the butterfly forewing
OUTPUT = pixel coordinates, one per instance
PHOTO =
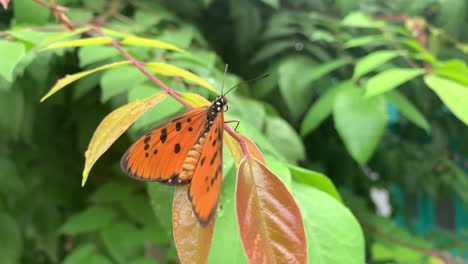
(160, 154)
(206, 181)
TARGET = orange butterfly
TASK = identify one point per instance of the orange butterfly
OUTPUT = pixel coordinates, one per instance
(186, 149)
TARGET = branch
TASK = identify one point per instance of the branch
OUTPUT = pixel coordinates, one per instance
(59, 13)
(403, 243)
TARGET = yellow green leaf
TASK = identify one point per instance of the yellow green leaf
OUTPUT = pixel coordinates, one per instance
(195, 100)
(137, 41)
(113, 126)
(111, 32)
(71, 78)
(63, 35)
(80, 42)
(170, 70)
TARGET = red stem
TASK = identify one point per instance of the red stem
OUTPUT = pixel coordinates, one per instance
(59, 12)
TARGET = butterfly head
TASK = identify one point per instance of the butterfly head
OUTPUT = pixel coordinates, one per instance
(220, 103)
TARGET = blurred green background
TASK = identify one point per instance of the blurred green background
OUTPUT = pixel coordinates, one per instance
(372, 94)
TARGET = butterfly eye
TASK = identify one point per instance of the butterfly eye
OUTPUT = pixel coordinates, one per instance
(226, 107)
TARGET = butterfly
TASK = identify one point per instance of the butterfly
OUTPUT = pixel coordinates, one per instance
(185, 150)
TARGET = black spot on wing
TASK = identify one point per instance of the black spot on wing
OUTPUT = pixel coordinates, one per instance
(163, 136)
(177, 148)
(178, 126)
(213, 158)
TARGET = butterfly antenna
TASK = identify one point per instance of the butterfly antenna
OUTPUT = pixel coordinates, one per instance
(224, 78)
(248, 81)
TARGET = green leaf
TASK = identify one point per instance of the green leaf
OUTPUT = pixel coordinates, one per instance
(456, 70)
(333, 234)
(390, 79)
(29, 12)
(92, 54)
(112, 192)
(361, 20)
(12, 111)
(123, 241)
(285, 139)
(119, 80)
(273, 3)
(226, 234)
(280, 169)
(294, 85)
(138, 209)
(372, 61)
(63, 35)
(315, 179)
(373, 40)
(325, 68)
(12, 185)
(74, 77)
(11, 53)
(453, 94)
(160, 200)
(408, 109)
(360, 122)
(91, 219)
(11, 239)
(272, 49)
(322, 108)
(80, 254)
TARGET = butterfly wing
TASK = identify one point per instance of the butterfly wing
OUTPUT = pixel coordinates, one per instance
(160, 154)
(206, 181)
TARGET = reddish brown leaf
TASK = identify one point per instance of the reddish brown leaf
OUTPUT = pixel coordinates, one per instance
(236, 151)
(192, 241)
(270, 223)
(4, 3)
(254, 150)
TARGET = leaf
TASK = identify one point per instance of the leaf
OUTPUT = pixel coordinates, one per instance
(12, 185)
(226, 234)
(71, 78)
(390, 79)
(361, 20)
(63, 35)
(453, 94)
(192, 240)
(138, 208)
(92, 54)
(408, 109)
(91, 219)
(360, 122)
(113, 126)
(315, 179)
(122, 250)
(170, 70)
(162, 210)
(456, 70)
(145, 42)
(11, 53)
(294, 85)
(322, 108)
(11, 239)
(112, 192)
(270, 223)
(80, 42)
(273, 3)
(295, 77)
(284, 138)
(373, 61)
(120, 80)
(272, 49)
(80, 254)
(374, 40)
(12, 112)
(333, 234)
(29, 13)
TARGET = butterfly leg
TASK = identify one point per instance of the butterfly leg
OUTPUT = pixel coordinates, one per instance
(233, 121)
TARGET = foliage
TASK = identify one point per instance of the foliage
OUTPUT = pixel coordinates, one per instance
(347, 60)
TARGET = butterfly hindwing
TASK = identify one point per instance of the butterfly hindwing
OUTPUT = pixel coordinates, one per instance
(206, 181)
(160, 154)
